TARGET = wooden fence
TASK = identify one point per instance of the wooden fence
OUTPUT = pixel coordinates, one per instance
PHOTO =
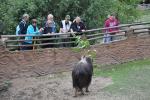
(144, 6)
(56, 40)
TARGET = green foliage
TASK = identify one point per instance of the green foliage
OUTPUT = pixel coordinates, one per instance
(94, 12)
(82, 43)
(97, 12)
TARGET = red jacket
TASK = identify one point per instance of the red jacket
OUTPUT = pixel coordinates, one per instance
(111, 23)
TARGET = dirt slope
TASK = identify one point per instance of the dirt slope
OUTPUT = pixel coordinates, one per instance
(35, 63)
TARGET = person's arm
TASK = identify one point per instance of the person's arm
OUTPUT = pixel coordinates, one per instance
(28, 31)
(37, 32)
(117, 23)
(106, 25)
(61, 28)
(40, 31)
(28, 38)
(83, 28)
(53, 28)
(74, 28)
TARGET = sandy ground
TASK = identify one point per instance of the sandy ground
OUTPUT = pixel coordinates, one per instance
(36, 63)
(21, 68)
(53, 87)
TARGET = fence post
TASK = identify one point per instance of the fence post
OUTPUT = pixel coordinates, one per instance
(130, 32)
(34, 42)
(149, 31)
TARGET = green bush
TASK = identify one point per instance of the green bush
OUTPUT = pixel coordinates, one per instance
(93, 12)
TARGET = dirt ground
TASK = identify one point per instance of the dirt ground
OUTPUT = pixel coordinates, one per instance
(23, 69)
(53, 87)
(43, 62)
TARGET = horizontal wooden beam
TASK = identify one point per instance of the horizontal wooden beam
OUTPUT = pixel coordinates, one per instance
(41, 39)
(41, 44)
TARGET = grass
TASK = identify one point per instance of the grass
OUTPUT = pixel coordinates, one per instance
(130, 80)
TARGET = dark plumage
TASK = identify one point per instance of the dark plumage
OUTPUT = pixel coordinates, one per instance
(82, 74)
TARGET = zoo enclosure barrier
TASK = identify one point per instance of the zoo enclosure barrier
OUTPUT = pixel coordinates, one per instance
(144, 6)
(95, 36)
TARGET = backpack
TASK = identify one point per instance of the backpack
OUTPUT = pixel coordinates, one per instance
(18, 28)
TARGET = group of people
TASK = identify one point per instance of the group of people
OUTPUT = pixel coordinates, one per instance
(66, 25)
(49, 27)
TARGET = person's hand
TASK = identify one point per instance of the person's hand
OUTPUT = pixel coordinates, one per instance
(41, 29)
(83, 30)
(71, 31)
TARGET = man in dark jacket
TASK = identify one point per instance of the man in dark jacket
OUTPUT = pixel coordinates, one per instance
(23, 25)
(22, 29)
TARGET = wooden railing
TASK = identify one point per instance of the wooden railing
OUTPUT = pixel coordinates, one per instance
(144, 6)
(14, 42)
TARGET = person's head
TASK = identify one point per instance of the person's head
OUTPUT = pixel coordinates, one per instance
(108, 15)
(112, 17)
(78, 20)
(67, 18)
(49, 23)
(50, 17)
(34, 22)
(25, 17)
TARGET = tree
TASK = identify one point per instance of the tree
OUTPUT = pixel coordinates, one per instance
(93, 12)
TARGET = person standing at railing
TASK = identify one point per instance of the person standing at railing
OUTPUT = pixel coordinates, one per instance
(22, 29)
(32, 30)
(49, 27)
(77, 26)
(110, 22)
(65, 28)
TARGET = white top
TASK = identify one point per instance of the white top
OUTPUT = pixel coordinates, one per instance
(66, 27)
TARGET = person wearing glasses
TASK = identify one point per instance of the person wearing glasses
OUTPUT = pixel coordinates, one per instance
(49, 28)
(31, 30)
(49, 25)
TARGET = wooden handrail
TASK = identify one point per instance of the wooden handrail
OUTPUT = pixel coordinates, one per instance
(59, 36)
(142, 32)
(106, 36)
(42, 39)
(41, 44)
